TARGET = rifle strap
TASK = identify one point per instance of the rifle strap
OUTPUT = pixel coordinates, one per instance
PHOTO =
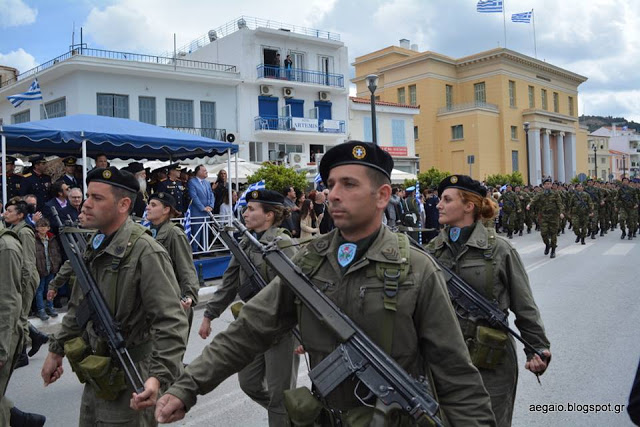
(488, 257)
(6, 231)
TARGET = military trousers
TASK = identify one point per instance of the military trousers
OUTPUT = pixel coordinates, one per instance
(501, 385)
(549, 230)
(509, 221)
(95, 411)
(628, 219)
(5, 376)
(580, 225)
(27, 298)
(266, 378)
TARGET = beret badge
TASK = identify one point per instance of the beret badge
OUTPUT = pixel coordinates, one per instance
(359, 152)
(106, 174)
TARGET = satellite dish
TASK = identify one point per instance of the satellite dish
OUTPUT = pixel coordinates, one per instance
(213, 36)
(242, 23)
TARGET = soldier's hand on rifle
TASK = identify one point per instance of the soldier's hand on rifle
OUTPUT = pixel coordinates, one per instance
(299, 350)
(537, 365)
(148, 397)
(186, 303)
(52, 368)
(205, 328)
(169, 409)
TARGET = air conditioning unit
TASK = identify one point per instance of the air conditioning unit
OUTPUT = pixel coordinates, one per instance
(297, 160)
(288, 92)
(324, 96)
(266, 90)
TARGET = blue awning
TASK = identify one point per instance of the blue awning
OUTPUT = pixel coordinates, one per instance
(122, 138)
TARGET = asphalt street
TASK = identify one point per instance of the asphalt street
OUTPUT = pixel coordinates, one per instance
(588, 297)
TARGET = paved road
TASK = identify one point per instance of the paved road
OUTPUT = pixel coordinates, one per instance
(588, 296)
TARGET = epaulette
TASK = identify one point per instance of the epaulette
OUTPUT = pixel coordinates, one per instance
(27, 175)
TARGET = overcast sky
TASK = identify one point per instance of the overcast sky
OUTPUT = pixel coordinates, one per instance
(599, 39)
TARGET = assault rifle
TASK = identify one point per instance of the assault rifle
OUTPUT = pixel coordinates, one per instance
(357, 354)
(94, 306)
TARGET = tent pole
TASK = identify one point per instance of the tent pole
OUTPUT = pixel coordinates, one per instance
(229, 178)
(84, 166)
(237, 178)
(4, 171)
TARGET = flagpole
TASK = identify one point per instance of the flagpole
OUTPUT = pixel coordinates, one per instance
(44, 107)
(535, 47)
(4, 172)
(504, 23)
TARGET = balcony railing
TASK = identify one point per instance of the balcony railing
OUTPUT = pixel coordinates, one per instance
(123, 56)
(300, 75)
(468, 106)
(292, 124)
(213, 133)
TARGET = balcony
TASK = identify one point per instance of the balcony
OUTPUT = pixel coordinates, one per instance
(213, 133)
(122, 56)
(300, 75)
(299, 124)
(456, 108)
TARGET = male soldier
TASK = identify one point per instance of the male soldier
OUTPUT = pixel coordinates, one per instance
(602, 209)
(69, 177)
(521, 212)
(37, 182)
(551, 209)
(527, 196)
(174, 186)
(595, 197)
(102, 161)
(412, 215)
(580, 208)
(510, 208)
(14, 180)
(135, 276)
(627, 205)
(157, 176)
(418, 328)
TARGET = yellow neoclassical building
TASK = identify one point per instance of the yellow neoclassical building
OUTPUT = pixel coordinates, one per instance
(474, 109)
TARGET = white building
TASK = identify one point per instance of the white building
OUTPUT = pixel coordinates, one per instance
(599, 157)
(394, 129)
(625, 141)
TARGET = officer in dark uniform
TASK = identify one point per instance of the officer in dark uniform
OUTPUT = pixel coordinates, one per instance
(14, 181)
(157, 176)
(138, 170)
(37, 182)
(174, 186)
(69, 176)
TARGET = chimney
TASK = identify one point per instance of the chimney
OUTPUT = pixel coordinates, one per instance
(404, 43)
(414, 47)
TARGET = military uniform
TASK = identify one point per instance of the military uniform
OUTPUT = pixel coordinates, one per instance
(493, 268)
(177, 190)
(14, 184)
(550, 206)
(527, 196)
(39, 186)
(580, 207)
(628, 205)
(266, 378)
(594, 193)
(510, 207)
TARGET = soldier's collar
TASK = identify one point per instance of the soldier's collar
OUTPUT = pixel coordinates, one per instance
(479, 237)
(120, 239)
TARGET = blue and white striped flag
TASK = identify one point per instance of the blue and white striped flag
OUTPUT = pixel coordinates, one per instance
(145, 222)
(489, 6)
(187, 222)
(317, 179)
(242, 201)
(524, 17)
(420, 210)
(31, 94)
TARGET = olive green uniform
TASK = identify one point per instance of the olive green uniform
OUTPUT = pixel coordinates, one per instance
(424, 338)
(594, 193)
(266, 378)
(143, 296)
(11, 332)
(510, 208)
(549, 204)
(580, 206)
(493, 268)
(628, 209)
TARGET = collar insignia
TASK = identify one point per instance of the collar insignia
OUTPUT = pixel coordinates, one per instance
(454, 233)
(346, 253)
(97, 241)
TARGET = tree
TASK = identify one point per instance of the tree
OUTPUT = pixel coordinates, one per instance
(499, 179)
(278, 177)
(432, 177)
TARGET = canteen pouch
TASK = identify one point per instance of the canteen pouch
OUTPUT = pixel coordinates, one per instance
(76, 350)
(107, 380)
(302, 407)
(235, 309)
(488, 348)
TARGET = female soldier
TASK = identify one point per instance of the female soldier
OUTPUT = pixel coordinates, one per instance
(160, 210)
(267, 377)
(493, 268)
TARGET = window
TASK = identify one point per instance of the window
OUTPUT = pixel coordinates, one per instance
(543, 93)
(22, 117)
(556, 103)
(179, 113)
(147, 109)
(532, 97)
(208, 118)
(480, 95)
(603, 160)
(449, 96)
(279, 151)
(512, 93)
(255, 151)
(514, 133)
(514, 161)
(457, 132)
(413, 98)
(57, 108)
(397, 133)
(112, 105)
(401, 97)
(570, 101)
(415, 132)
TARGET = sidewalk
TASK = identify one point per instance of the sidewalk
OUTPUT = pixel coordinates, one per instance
(52, 325)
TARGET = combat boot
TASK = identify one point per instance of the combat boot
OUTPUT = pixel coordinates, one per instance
(553, 252)
(593, 234)
(577, 239)
(26, 419)
(570, 226)
(629, 236)
(562, 230)
(520, 233)
(624, 234)
(510, 234)
(37, 340)
(546, 248)
(23, 360)
(582, 241)
(528, 230)
(601, 233)
(634, 234)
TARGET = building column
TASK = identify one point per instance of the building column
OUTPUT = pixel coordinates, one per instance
(570, 156)
(546, 153)
(535, 172)
(560, 156)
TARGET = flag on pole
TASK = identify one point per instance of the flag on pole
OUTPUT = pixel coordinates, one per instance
(145, 221)
(524, 17)
(317, 179)
(31, 94)
(242, 201)
(489, 6)
(187, 222)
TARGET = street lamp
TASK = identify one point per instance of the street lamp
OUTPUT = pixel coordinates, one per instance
(594, 146)
(624, 166)
(372, 84)
(526, 139)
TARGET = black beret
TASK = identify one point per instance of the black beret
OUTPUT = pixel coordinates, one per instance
(356, 153)
(162, 169)
(37, 159)
(269, 197)
(115, 177)
(175, 166)
(164, 198)
(69, 161)
(462, 182)
(135, 167)
(546, 180)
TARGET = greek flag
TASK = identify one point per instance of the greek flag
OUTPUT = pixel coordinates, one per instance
(317, 179)
(489, 6)
(145, 222)
(31, 94)
(187, 222)
(524, 17)
(242, 201)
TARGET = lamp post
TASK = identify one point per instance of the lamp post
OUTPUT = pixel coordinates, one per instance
(595, 156)
(526, 139)
(624, 166)
(372, 84)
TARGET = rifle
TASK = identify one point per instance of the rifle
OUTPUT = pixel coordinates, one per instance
(357, 354)
(94, 306)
